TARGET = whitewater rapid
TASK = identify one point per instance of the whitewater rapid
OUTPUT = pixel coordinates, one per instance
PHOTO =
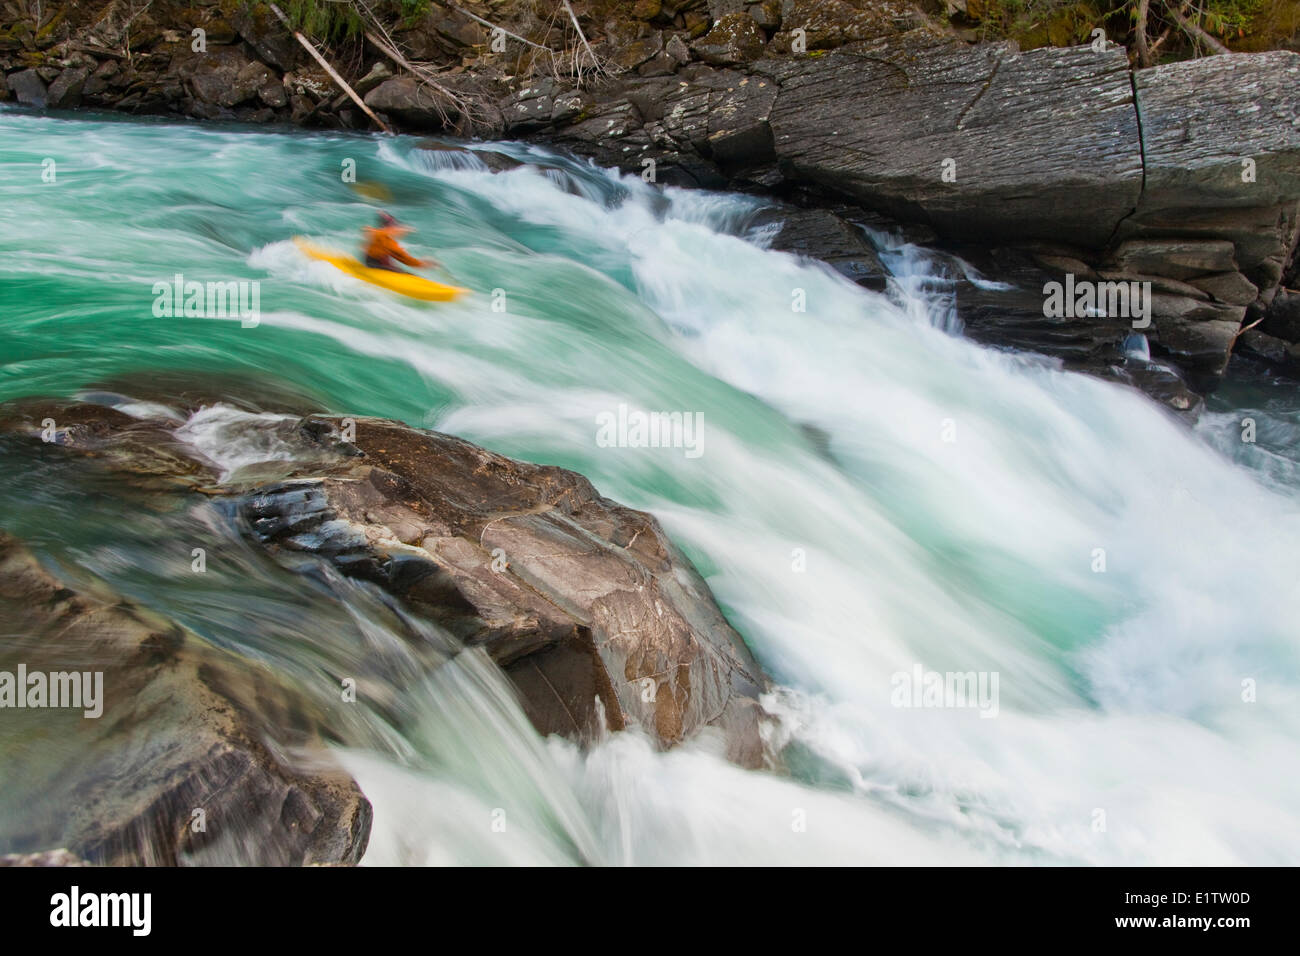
(876, 493)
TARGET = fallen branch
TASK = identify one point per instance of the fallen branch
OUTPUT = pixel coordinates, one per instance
(424, 75)
(493, 26)
(379, 37)
(95, 50)
(343, 84)
(581, 36)
(1194, 29)
(1161, 41)
(1243, 330)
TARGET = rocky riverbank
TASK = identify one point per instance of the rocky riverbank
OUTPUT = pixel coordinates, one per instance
(585, 606)
(1053, 165)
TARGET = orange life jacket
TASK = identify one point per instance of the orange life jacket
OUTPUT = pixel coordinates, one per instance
(382, 246)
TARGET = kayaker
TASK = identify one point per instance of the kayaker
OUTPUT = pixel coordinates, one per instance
(382, 247)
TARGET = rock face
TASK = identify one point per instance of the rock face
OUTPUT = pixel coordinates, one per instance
(184, 728)
(948, 134)
(585, 604)
(1221, 141)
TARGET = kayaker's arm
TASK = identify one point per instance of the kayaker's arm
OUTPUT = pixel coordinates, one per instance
(417, 263)
(401, 255)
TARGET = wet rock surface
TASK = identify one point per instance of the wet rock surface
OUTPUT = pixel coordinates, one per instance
(822, 234)
(183, 738)
(586, 604)
(599, 621)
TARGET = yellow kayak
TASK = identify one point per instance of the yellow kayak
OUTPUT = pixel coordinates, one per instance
(417, 287)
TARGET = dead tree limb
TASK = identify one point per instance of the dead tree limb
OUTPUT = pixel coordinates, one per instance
(1194, 29)
(581, 36)
(1243, 330)
(493, 26)
(343, 84)
(384, 42)
(1161, 40)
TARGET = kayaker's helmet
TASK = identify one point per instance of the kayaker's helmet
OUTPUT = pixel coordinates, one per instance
(388, 222)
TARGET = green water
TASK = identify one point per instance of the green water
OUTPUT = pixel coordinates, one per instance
(871, 494)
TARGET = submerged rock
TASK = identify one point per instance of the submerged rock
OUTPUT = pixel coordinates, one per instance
(823, 235)
(187, 761)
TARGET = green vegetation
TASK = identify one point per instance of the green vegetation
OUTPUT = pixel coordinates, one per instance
(1237, 24)
(335, 20)
(328, 20)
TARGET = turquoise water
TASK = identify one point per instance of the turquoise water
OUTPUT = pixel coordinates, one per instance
(872, 495)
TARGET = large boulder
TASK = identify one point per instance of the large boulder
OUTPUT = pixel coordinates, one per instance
(416, 104)
(223, 77)
(65, 92)
(599, 621)
(28, 88)
(734, 39)
(1199, 334)
(186, 762)
(589, 608)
